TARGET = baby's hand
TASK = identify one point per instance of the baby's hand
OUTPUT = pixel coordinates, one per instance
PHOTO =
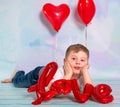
(68, 70)
(85, 68)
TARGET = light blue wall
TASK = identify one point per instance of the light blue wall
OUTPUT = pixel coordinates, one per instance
(27, 39)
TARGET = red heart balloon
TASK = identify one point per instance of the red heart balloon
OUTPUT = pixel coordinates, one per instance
(56, 15)
(86, 10)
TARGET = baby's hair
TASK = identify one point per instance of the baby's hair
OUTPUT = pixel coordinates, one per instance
(76, 48)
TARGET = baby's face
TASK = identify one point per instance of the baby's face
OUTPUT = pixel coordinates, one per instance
(77, 61)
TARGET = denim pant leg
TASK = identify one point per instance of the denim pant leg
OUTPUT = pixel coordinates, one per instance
(25, 81)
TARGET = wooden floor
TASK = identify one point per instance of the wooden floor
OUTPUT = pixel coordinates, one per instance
(19, 97)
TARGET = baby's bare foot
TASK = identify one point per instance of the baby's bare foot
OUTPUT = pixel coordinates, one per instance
(14, 72)
(9, 80)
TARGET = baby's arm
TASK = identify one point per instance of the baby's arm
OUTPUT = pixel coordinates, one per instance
(86, 75)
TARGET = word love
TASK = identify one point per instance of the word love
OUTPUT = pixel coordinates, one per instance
(100, 93)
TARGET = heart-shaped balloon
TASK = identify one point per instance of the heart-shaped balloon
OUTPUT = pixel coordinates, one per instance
(56, 15)
(86, 10)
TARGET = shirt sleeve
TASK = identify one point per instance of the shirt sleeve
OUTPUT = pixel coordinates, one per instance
(58, 75)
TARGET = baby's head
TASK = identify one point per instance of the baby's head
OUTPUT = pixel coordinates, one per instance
(77, 57)
(76, 48)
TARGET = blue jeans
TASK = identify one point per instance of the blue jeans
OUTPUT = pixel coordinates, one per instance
(25, 81)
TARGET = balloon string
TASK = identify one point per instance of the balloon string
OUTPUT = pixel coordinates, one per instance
(86, 38)
(56, 48)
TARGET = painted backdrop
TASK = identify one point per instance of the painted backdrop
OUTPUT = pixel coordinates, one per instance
(27, 39)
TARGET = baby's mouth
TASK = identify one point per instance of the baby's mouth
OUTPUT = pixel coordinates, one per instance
(77, 68)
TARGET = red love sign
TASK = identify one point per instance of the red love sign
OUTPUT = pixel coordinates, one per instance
(56, 15)
(100, 92)
(86, 10)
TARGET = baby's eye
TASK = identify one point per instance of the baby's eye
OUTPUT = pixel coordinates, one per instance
(73, 58)
(82, 60)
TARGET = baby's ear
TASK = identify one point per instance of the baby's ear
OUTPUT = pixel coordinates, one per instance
(64, 59)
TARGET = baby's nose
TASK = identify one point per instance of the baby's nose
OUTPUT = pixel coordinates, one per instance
(78, 62)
